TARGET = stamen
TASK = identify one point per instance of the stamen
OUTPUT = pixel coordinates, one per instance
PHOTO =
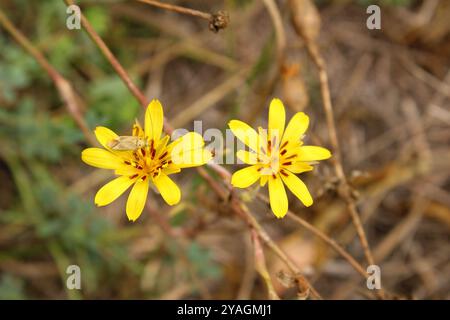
(263, 151)
(291, 156)
(284, 144)
(284, 173)
(143, 152)
(283, 152)
(152, 145)
(287, 163)
(163, 155)
(274, 176)
(144, 177)
(127, 162)
(134, 176)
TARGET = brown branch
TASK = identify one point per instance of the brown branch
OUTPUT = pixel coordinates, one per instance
(112, 59)
(261, 266)
(332, 243)
(308, 30)
(280, 33)
(344, 189)
(241, 210)
(181, 241)
(65, 90)
(216, 21)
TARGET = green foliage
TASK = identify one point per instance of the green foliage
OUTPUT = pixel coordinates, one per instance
(36, 135)
(41, 147)
(99, 19)
(11, 288)
(17, 70)
(201, 261)
(39, 138)
(114, 105)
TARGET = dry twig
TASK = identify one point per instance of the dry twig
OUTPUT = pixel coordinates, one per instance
(217, 21)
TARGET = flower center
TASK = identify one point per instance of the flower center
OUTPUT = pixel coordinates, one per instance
(149, 160)
(275, 158)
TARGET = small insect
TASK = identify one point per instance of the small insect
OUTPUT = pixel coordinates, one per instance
(127, 143)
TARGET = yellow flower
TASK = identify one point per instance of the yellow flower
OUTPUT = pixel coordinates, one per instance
(276, 156)
(152, 163)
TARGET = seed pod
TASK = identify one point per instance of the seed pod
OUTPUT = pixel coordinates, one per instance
(294, 89)
(305, 18)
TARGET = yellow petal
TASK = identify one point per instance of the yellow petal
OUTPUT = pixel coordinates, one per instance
(277, 118)
(101, 158)
(136, 199)
(298, 188)
(171, 169)
(195, 158)
(278, 197)
(161, 146)
(168, 189)
(112, 190)
(263, 180)
(104, 136)
(137, 130)
(188, 151)
(296, 127)
(126, 170)
(247, 157)
(154, 120)
(299, 167)
(313, 153)
(245, 133)
(245, 177)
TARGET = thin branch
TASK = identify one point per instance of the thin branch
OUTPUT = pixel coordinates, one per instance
(112, 59)
(216, 21)
(332, 243)
(345, 189)
(280, 33)
(261, 266)
(241, 210)
(303, 30)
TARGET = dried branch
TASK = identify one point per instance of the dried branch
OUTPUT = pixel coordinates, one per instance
(261, 267)
(216, 21)
(344, 190)
(280, 33)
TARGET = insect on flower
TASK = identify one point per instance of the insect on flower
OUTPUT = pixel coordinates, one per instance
(275, 156)
(127, 143)
(144, 157)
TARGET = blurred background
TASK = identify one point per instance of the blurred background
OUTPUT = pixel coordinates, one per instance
(391, 94)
